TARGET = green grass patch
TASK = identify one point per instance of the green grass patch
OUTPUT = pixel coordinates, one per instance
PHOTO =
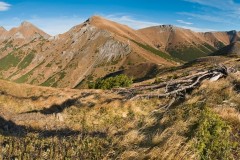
(49, 82)
(62, 75)
(206, 48)
(52, 81)
(211, 48)
(49, 64)
(25, 77)
(187, 53)
(156, 51)
(8, 44)
(219, 45)
(26, 61)
(11, 60)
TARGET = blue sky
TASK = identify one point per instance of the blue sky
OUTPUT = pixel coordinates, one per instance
(58, 16)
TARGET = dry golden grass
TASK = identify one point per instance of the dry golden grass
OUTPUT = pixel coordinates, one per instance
(130, 129)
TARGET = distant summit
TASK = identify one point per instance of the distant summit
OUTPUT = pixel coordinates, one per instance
(25, 33)
(26, 24)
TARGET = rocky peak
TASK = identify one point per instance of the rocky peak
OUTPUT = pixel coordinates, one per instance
(26, 31)
(166, 26)
(94, 20)
(26, 24)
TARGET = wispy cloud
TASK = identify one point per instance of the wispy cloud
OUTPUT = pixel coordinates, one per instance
(137, 24)
(223, 9)
(4, 6)
(220, 4)
(131, 22)
(184, 22)
(196, 29)
(206, 17)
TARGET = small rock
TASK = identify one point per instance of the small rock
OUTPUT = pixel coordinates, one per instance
(60, 117)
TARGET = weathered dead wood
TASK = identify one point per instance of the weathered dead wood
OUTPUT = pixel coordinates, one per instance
(182, 80)
(156, 95)
(174, 89)
(161, 85)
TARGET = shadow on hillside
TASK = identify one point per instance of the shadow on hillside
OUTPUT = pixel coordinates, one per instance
(55, 108)
(158, 128)
(9, 128)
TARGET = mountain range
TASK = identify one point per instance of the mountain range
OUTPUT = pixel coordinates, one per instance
(99, 47)
(103, 90)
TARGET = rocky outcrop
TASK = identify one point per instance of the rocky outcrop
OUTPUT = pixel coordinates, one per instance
(113, 50)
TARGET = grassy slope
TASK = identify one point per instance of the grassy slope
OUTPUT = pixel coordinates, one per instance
(189, 53)
(99, 124)
(157, 52)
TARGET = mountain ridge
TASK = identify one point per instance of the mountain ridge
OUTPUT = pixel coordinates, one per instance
(97, 17)
(99, 47)
(180, 42)
(86, 50)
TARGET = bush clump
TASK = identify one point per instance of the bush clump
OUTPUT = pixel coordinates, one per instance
(111, 82)
(213, 137)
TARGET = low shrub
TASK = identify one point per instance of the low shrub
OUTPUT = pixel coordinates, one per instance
(111, 82)
(213, 137)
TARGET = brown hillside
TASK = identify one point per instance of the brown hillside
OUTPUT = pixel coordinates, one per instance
(88, 51)
(186, 44)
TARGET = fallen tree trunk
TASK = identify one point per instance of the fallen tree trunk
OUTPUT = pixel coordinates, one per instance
(174, 88)
(152, 95)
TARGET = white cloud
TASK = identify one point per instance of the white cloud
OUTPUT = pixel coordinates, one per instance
(4, 6)
(184, 22)
(131, 22)
(219, 11)
(220, 4)
(196, 29)
(227, 8)
(210, 18)
(137, 24)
